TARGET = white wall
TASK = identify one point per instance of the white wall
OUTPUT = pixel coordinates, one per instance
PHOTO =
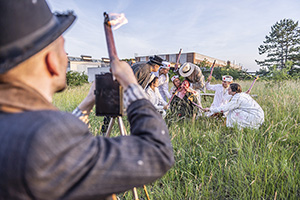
(93, 71)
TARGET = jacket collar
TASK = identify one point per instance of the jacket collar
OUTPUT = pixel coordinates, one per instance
(18, 97)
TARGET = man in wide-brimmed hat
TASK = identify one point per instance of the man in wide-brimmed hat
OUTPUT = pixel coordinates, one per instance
(49, 154)
(194, 75)
(142, 70)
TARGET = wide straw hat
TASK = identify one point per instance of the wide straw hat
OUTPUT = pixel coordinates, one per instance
(28, 26)
(186, 69)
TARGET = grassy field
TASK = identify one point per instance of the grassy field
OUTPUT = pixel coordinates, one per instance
(216, 162)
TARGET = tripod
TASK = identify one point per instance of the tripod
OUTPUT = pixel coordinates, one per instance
(123, 133)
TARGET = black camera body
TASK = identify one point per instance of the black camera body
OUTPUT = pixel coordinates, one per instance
(109, 96)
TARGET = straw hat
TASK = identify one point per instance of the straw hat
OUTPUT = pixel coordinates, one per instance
(186, 69)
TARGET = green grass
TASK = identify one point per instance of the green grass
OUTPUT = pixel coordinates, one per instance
(216, 162)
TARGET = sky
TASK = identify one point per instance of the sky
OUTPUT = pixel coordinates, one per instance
(223, 29)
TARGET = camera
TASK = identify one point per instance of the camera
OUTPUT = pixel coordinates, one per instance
(109, 96)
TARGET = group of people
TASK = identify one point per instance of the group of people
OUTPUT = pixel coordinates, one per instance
(239, 108)
(49, 154)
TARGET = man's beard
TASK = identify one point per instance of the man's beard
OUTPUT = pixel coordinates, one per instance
(62, 88)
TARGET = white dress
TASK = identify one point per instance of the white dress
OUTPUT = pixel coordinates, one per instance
(156, 99)
(163, 85)
(221, 94)
(243, 111)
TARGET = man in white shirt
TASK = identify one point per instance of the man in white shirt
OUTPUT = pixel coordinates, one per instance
(163, 80)
(221, 91)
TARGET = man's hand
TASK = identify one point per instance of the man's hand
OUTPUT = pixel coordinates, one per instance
(88, 103)
(206, 109)
(123, 73)
(209, 78)
(166, 107)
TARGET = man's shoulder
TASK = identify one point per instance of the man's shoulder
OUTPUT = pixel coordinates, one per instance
(49, 121)
(140, 65)
(218, 86)
(59, 119)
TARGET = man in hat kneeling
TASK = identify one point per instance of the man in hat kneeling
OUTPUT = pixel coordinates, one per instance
(49, 154)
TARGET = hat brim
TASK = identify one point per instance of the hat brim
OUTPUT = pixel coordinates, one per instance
(14, 55)
(186, 74)
(156, 62)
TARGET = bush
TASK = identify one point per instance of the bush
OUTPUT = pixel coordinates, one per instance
(76, 78)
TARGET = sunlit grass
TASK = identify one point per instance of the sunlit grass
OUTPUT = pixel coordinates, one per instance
(216, 162)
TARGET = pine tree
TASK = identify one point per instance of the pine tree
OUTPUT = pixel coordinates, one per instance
(281, 45)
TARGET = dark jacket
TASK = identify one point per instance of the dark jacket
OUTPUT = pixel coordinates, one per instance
(52, 155)
(142, 72)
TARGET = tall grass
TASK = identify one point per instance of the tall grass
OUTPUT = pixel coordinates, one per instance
(216, 162)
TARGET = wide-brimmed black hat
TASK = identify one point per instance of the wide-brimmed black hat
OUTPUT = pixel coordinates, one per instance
(156, 60)
(28, 26)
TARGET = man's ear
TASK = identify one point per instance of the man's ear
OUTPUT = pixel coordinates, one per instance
(52, 63)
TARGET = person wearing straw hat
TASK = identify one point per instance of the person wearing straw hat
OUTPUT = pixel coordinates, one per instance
(182, 107)
(194, 75)
(163, 80)
(222, 96)
(49, 154)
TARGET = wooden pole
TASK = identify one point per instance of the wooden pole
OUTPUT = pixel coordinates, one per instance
(177, 62)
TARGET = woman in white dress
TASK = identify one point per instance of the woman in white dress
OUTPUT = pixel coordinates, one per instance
(163, 80)
(155, 98)
(243, 111)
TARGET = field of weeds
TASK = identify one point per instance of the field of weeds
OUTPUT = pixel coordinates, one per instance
(216, 162)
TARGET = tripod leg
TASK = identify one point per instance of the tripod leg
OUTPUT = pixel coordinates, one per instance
(110, 126)
(121, 126)
(134, 191)
(146, 192)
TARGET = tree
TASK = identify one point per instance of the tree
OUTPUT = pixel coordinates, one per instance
(281, 45)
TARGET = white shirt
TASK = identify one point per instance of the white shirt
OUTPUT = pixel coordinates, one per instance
(243, 111)
(221, 95)
(155, 98)
(163, 85)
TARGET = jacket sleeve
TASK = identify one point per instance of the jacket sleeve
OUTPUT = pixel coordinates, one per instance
(233, 104)
(64, 157)
(166, 90)
(210, 87)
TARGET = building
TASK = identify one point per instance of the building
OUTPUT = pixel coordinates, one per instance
(88, 65)
(192, 57)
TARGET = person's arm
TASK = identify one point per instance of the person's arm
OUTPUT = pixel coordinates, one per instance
(166, 90)
(150, 95)
(233, 104)
(210, 87)
(64, 157)
(161, 79)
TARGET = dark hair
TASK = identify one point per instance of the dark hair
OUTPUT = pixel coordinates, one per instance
(155, 78)
(235, 87)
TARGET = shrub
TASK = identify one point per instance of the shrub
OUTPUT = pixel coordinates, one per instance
(76, 78)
